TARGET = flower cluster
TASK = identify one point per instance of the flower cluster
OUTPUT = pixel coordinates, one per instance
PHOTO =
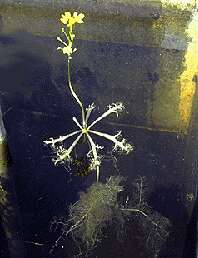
(70, 20)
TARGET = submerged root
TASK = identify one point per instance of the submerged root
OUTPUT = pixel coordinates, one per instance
(95, 210)
(99, 208)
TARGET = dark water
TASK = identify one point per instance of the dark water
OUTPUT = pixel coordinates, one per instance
(36, 106)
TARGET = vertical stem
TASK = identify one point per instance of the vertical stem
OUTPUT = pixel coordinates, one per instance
(97, 173)
(74, 94)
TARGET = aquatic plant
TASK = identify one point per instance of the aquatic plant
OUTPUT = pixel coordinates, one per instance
(99, 206)
(63, 154)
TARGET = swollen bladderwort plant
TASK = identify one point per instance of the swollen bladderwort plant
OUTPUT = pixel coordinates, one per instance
(85, 129)
(98, 206)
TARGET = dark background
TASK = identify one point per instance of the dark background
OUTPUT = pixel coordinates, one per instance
(37, 105)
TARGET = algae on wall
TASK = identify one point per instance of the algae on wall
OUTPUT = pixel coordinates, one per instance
(9, 210)
(170, 108)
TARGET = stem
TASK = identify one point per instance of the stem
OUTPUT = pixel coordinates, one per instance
(74, 94)
(141, 191)
(114, 108)
(136, 210)
(95, 156)
(60, 138)
(142, 213)
(67, 152)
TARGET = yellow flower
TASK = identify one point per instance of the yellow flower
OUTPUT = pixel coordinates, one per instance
(78, 17)
(65, 17)
(70, 20)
